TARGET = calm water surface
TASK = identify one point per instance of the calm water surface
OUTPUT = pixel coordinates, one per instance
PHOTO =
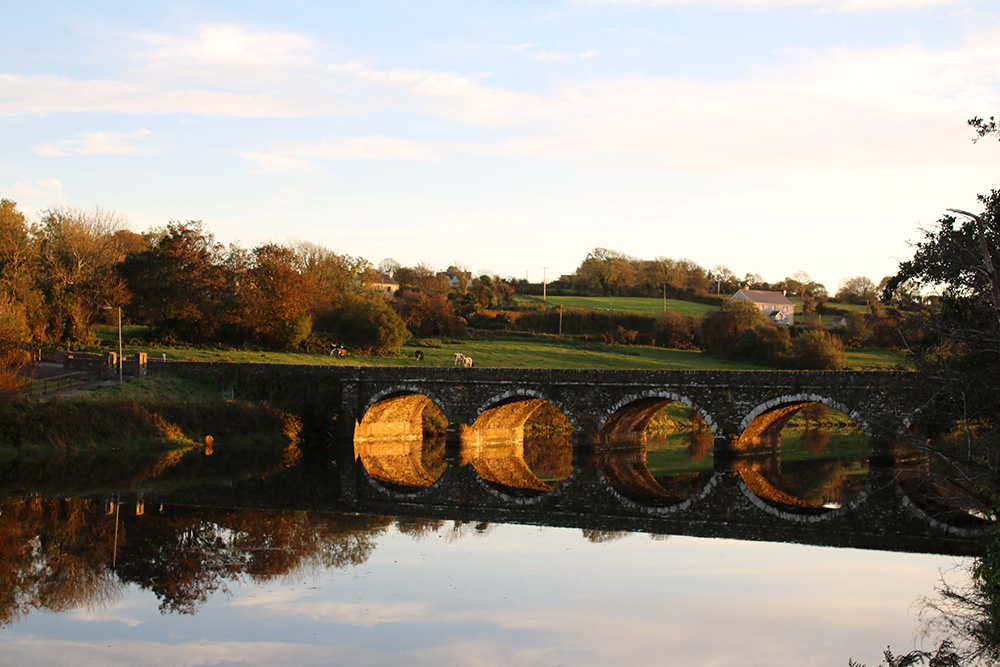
(84, 580)
(362, 590)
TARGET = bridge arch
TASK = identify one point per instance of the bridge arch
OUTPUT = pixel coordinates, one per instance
(389, 440)
(776, 485)
(494, 442)
(396, 390)
(645, 470)
(771, 416)
(509, 396)
(633, 412)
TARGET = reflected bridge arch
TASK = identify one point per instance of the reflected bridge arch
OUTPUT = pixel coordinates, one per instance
(494, 443)
(389, 440)
(623, 456)
(837, 484)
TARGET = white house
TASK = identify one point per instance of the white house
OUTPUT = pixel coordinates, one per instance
(458, 279)
(386, 284)
(776, 306)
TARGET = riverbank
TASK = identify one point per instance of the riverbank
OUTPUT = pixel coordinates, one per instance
(164, 417)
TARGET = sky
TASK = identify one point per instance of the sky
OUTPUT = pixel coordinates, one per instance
(512, 138)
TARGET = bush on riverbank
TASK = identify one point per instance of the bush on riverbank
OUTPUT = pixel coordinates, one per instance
(80, 424)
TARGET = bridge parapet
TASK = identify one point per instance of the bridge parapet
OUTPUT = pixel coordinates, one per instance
(729, 401)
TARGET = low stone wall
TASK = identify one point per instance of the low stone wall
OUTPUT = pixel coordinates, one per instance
(103, 365)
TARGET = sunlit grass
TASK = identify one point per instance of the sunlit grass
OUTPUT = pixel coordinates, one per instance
(533, 352)
(625, 304)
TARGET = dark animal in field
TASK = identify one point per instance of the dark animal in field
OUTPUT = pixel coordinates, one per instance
(419, 355)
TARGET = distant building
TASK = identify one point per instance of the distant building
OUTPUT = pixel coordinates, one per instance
(776, 306)
(458, 279)
(386, 284)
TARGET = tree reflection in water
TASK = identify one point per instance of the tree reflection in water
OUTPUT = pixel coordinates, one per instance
(54, 555)
(824, 456)
(57, 554)
(548, 444)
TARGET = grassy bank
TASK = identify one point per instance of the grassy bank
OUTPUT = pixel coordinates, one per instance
(537, 351)
(148, 433)
(625, 304)
(156, 412)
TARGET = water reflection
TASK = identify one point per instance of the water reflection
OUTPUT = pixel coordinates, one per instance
(659, 453)
(523, 446)
(58, 555)
(504, 438)
(815, 458)
(312, 588)
(401, 442)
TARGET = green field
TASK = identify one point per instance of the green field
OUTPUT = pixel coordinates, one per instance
(538, 352)
(625, 304)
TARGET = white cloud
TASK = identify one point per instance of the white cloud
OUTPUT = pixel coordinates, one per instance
(278, 162)
(221, 50)
(93, 143)
(34, 196)
(532, 50)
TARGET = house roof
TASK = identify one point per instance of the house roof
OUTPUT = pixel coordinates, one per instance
(387, 280)
(765, 297)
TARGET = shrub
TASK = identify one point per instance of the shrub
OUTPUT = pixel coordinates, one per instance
(764, 344)
(365, 323)
(722, 329)
(677, 331)
(818, 350)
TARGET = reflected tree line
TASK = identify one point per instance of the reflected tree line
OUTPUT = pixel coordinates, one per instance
(61, 554)
(58, 555)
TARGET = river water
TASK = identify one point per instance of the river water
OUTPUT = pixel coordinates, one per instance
(141, 572)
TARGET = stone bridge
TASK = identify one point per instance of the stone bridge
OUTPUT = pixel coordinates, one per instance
(386, 465)
(743, 409)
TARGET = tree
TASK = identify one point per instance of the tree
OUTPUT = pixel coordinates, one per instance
(984, 128)
(954, 341)
(181, 284)
(19, 270)
(79, 253)
(274, 297)
(427, 314)
(424, 278)
(764, 344)
(721, 329)
(857, 290)
(365, 323)
(13, 338)
(607, 272)
(725, 280)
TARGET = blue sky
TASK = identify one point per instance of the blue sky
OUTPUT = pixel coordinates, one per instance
(769, 136)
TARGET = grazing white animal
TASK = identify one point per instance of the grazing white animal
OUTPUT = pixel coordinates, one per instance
(459, 359)
(467, 362)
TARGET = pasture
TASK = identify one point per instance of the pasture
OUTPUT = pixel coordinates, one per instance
(534, 352)
(625, 304)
